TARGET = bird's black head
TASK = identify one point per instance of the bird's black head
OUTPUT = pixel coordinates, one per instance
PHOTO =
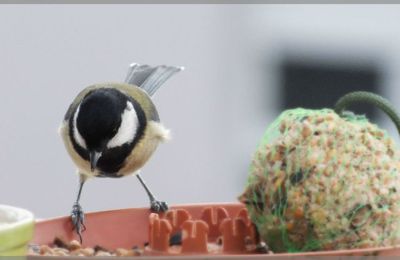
(105, 127)
(99, 117)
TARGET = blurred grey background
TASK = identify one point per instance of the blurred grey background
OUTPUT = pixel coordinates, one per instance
(244, 64)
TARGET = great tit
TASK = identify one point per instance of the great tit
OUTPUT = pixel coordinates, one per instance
(112, 129)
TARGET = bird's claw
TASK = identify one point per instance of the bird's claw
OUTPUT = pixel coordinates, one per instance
(78, 219)
(158, 206)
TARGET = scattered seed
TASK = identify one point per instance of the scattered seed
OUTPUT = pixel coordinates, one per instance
(137, 251)
(44, 249)
(88, 251)
(58, 242)
(123, 252)
(74, 245)
(262, 248)
(102, 253)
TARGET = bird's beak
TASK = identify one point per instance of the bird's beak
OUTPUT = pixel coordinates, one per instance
(94, 158)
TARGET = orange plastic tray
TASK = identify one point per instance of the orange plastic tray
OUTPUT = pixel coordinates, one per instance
(199, 223)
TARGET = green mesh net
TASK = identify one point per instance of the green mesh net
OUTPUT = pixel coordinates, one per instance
(319, 181)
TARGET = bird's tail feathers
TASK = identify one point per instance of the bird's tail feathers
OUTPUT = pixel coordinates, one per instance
(150, 78)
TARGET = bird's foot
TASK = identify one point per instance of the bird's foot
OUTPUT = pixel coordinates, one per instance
(78, 219)
(158, 206)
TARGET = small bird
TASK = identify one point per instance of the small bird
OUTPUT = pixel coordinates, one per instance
(112, 129)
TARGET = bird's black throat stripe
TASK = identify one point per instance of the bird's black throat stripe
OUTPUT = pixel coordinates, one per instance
(112, 159)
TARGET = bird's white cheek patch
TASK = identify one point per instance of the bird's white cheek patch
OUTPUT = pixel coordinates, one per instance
(127, 130)
(77, 136)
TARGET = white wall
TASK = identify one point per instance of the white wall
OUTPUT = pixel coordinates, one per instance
(333, 34)
(217, 108)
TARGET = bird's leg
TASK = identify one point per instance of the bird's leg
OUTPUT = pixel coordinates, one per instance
(155, 205)
(77, 215)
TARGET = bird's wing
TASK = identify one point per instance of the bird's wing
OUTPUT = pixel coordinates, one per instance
(150, 78)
